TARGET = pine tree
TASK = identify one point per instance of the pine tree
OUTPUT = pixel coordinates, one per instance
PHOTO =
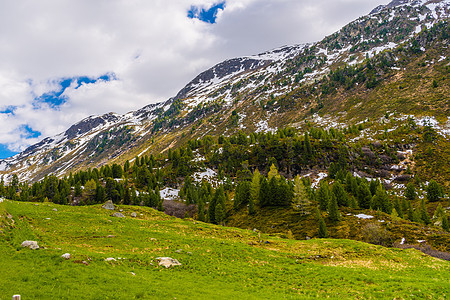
(364, 196)
(254, 192)
(323, 231)
(423, 213)
(410, 191)
(433, 191)
(381, 201)
(333, 209)
(339, 192)
(201, 210)
(264, 193)
(300, 194)
(445, 223)
(323, 195)
(373, 186)
(439, 213)
(219, 213)
(273, 172)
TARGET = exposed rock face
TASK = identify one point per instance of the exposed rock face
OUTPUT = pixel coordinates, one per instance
(118, 215)
(109, 205)
(30, 244)
(168, 262)
(89, 123)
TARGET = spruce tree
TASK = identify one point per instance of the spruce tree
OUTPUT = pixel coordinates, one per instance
(339, 192)
(254, 192)
(364, 195)
(323, 232)
(264, 193)
(433, 191)
(423, 213)
(323, 195)
(381, 201)
(445, 223)
(410, 191)
(300, 194)
(333, 210)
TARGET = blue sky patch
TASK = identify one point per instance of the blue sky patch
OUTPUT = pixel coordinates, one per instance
(56, 98)
(5, 152)
(28, 132)
(206, 15)
(8, 110)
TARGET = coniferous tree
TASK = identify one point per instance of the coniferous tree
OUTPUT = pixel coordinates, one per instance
(339, 193)
(264, 193)
(323, 231)
(445, 223)
(364, 195)
(381, 201)
(433, 191)
(300, 194)
(410, 191)
(423, 213)
(333, 209)
(255, 187)
(201, 210)
(373, 186)
(323, 195)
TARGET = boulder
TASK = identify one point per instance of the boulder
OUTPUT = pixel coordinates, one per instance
(66, 256)
(168, 262)
(118, 215)
(54, 209)
(30, 244)
(133, 214)
(108, 205)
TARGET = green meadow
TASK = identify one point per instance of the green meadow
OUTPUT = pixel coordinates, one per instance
(217, 262)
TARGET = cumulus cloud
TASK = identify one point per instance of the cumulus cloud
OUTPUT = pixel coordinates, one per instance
(152, 47)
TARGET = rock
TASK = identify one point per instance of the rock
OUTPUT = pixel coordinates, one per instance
(110, 259)
(118, 215)
(121, 210)
(54, 209)
(179, 250)
(168, 262)
(66, 256)
(108, 205)
(133, 214)
(307, 238)
(30, 244)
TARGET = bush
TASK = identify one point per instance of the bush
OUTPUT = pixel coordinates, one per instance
(374, 234)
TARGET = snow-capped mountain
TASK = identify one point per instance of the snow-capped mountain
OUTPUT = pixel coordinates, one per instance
(260, 92)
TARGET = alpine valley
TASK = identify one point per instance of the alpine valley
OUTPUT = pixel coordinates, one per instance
(309, 154)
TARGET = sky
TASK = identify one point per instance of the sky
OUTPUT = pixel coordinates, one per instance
(64, 60)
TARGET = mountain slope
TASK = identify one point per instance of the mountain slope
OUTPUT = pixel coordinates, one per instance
(385, 62)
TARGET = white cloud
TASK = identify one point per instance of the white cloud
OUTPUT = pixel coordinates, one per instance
(151, 46)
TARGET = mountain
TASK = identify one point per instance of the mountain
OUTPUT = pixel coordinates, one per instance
(394, 60)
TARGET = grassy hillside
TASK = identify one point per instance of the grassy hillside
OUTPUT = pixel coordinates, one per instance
(217, 262)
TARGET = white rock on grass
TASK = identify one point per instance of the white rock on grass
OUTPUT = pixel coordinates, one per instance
(66, 256)
(110, 259)
(133, 214)
(168, 262)
(30, 244)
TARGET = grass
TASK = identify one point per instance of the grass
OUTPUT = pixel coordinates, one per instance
(217, 262)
